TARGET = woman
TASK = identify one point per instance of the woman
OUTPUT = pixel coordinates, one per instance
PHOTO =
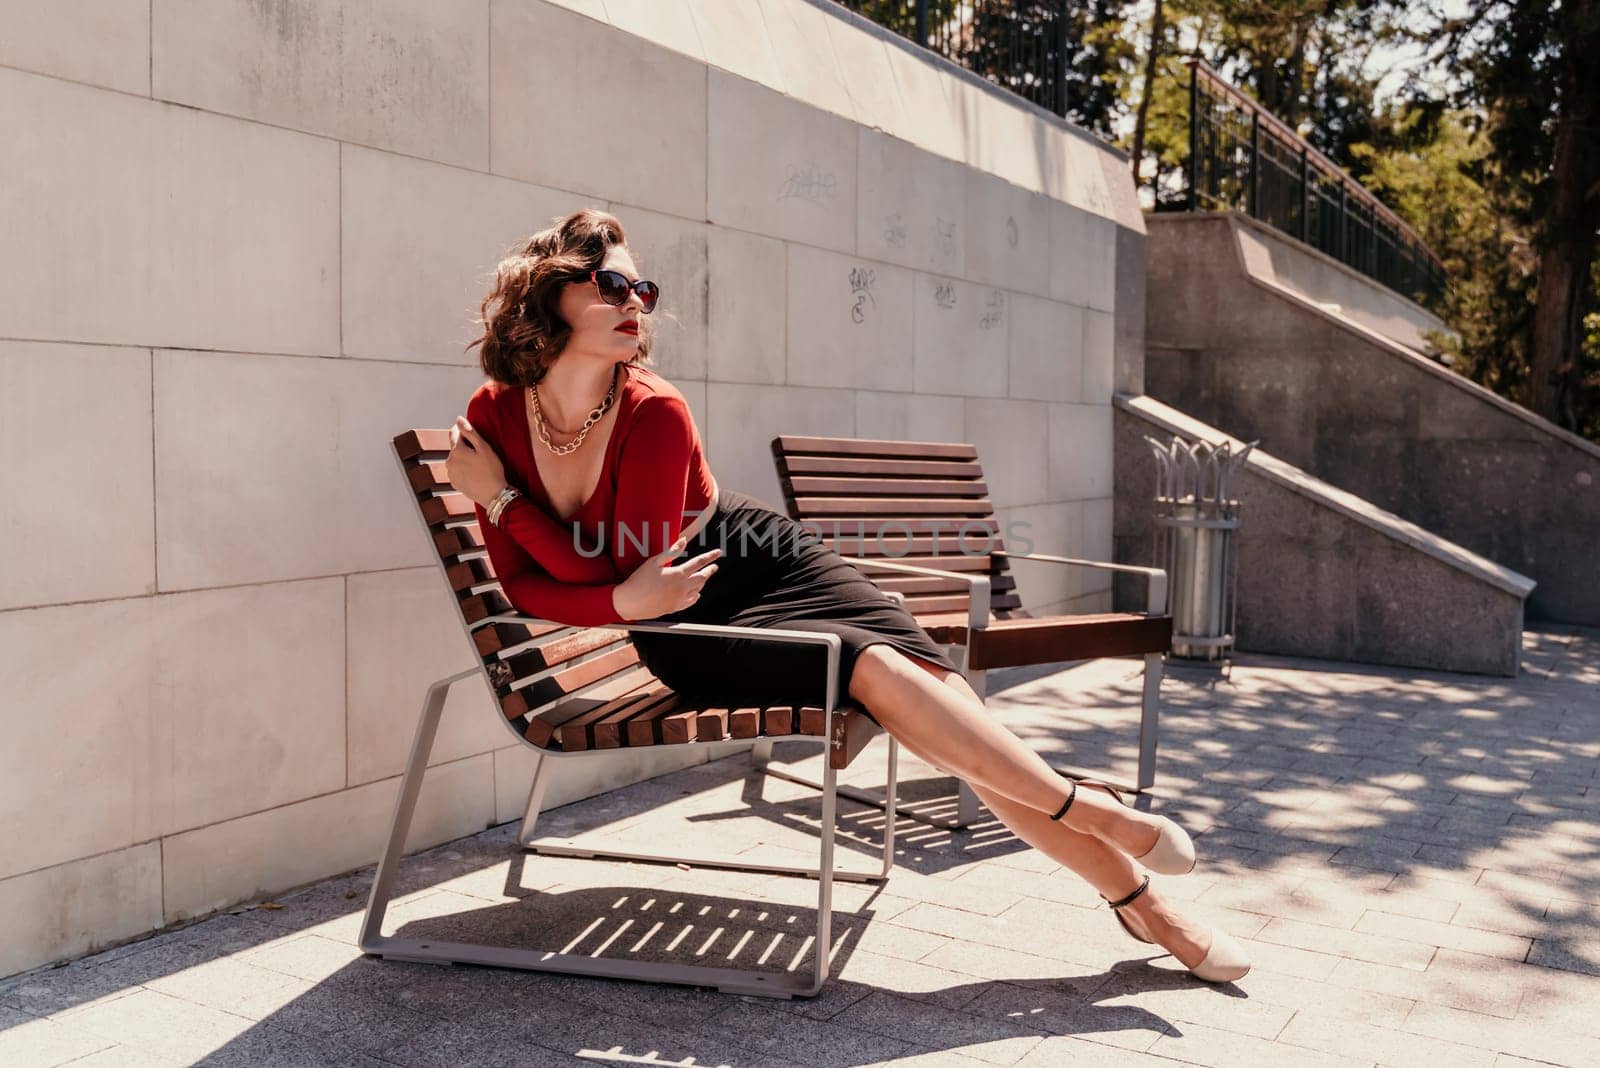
(608, 487)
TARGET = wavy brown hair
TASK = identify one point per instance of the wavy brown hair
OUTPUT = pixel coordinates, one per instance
(523, 331)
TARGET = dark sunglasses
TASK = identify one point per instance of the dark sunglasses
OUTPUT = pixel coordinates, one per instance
(614, 288)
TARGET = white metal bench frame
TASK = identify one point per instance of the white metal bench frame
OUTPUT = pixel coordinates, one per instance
(782, 984)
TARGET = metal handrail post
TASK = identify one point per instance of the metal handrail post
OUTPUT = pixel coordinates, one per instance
(1343, 255)
(1255, 164)
(1305, 196)
(1060, 37)
(1194, 135)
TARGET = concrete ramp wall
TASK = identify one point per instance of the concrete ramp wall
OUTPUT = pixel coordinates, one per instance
(1235, 341)
(1272, 259)
(1323, 573)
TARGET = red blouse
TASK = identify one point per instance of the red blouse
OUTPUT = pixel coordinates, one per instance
(654, 472)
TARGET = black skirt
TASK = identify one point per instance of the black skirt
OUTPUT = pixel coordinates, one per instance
(776, 573)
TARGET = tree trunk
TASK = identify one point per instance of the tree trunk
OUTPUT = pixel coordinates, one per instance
(1292, 89)
(1150, 66)
(1568, 250)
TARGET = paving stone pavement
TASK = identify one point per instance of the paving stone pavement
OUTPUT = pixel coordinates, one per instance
(1412, 859)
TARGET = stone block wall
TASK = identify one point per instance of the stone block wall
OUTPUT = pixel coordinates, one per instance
(244, 246)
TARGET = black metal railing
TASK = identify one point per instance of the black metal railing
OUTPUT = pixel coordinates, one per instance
(1019, 45)
(1243, 158)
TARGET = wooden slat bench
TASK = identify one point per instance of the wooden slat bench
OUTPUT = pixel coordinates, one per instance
(583, 693)
(917, 519)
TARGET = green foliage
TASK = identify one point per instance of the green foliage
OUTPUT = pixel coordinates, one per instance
(1527, 86)
(1303, 60)
(1475, 170)
(1101, 60)
(1013, 43)
(1434, 172)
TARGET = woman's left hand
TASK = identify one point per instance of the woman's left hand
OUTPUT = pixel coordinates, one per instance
(472, 466)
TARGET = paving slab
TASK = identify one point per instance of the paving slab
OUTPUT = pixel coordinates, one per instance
(1410, 857)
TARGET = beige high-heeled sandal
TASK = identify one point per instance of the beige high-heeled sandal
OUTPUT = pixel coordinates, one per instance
(1225, 961)
(1173, 853)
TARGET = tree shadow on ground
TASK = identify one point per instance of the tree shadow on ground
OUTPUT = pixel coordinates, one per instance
(1480, 790)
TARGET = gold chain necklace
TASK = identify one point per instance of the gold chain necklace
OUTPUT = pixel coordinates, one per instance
(594, 417)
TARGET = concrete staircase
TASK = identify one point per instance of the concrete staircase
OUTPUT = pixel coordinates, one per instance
(1257, 335)
(1322, 572)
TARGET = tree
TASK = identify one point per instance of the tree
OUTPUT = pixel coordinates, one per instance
(1303, 60)
(1434, 172)
(1152, 66)
(1100, 56)
(1529, 73)
(1044, 50)
(1500, 174)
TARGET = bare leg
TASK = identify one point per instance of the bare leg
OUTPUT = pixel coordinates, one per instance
(1111, 871)
(935, 714)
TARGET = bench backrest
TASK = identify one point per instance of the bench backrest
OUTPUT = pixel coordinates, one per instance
(912, 502)
(567, 658)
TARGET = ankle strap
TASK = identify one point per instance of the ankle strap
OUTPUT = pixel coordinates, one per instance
(1072, 795)
(1129, 899)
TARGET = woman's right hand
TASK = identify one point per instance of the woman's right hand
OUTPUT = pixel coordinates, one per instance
(657, 588)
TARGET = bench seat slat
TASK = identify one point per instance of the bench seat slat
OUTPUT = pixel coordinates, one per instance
(922, 605)
(878, 467)
(553, 652)
(466, 574)
(846, 528)
(677, 726)
(958, 563)
(448, 508)
(413, 445)
(579, 732)
(823, 509)
(791, 444)
(897, 547)
(711, 724)
(611, 732)
(542, 728)
(453, 541)
(426, 476)
(1053, 639)
(483, 605)
(568, 680)
(744, 723)
(778, 719)
(498, 637)
(911, 585)
(866, 486)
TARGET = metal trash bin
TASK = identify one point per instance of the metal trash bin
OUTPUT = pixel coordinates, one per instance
(1196, 516)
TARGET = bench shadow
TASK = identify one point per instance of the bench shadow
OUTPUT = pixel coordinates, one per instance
(411, 1013)
(291, 966)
